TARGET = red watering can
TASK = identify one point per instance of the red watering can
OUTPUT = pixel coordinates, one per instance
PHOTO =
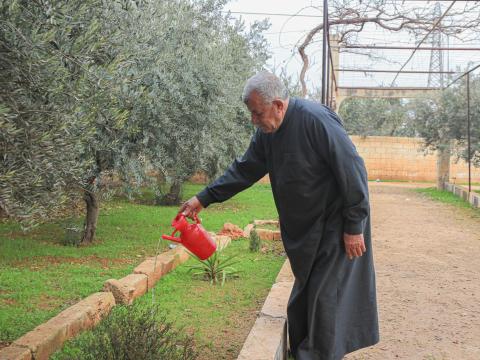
(193, 236)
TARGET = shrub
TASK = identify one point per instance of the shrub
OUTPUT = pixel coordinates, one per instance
(73, 234)
(255, 240)
(140, 333)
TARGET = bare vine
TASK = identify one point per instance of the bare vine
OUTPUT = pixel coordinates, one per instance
(347, 17)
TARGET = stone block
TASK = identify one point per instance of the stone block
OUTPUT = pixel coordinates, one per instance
(277, 235)
(48, 337)
(266, 340)
(165, 263)
(475, 201)
(14, 352)
(285, 274)
(248, 229)
(232, 230)
(265, 222)
(180, 255)
(128, 288)
(152, 270)
(265, 234)
(44, 340)
(275, 304)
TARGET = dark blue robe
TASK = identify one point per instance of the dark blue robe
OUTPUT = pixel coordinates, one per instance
(319, 184)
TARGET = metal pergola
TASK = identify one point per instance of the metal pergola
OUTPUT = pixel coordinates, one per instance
(330, 81)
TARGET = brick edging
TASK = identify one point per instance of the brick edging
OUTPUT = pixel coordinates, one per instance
(267, 339)
(48, 337)
(462, 191)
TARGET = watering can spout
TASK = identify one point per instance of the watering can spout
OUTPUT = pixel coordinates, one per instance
(172, 238)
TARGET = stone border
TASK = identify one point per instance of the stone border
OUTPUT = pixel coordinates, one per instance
(461, 191)
(48, 337)
(264, 234)
(267, 339)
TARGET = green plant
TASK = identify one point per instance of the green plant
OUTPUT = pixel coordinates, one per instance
(255, 241)
(141, 333)
(215, 268)
(73, 234)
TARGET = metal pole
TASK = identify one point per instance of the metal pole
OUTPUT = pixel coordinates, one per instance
(324, 48)
(468, 136)
(327, 102)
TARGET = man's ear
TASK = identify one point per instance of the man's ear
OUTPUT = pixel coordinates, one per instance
(279, 104)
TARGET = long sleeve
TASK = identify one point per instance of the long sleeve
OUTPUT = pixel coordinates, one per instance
(348, 168)
(243, 173)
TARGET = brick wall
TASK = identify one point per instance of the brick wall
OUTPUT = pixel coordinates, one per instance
(401, 158)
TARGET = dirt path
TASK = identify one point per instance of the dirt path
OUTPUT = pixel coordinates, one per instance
(428, 278)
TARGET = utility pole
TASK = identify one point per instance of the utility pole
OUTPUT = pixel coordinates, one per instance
(436, 76)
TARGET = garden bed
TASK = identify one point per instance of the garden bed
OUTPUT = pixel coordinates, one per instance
(39, 277)
(218, 317)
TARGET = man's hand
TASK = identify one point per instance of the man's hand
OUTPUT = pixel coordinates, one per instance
(191, 207)
(354, 245)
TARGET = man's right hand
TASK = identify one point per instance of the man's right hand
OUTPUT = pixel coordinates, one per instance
(191, 207)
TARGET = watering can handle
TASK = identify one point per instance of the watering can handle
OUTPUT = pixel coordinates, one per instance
(172, 238)
(196, 218)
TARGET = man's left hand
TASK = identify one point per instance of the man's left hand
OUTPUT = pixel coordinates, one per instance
(354, 245)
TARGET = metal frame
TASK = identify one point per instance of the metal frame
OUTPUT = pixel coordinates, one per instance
(329, 83)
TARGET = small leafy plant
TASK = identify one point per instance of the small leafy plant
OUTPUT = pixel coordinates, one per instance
(73, 234)
(255, 241)
(216, 269)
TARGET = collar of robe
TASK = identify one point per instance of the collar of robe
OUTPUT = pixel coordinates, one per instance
(288, 114)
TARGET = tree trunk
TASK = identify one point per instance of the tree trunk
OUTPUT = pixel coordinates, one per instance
(91, 218)
(443, 165)
(174, 195)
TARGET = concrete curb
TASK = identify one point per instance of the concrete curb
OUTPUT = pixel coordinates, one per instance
(48, 337)
(267, 339)
(462, 191)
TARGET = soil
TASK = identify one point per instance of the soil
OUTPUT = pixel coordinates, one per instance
(427, 258)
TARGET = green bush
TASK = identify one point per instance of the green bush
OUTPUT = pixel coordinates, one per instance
(140, 333)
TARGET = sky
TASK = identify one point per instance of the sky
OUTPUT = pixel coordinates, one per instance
(286, 32)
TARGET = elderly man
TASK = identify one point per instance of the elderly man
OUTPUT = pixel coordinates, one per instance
(319, 184)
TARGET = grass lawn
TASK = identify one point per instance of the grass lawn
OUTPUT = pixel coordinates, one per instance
(448, 198)
(218, 317)
(39, 276)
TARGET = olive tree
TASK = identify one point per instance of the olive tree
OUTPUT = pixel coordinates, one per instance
(443, 118)
(376, 117)
(61, 122)
(186, 69)
(122, 86)
(41, 137)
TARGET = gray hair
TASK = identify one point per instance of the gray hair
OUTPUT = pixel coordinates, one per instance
(267, 85)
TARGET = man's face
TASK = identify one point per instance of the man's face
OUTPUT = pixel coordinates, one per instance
(267, 117)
